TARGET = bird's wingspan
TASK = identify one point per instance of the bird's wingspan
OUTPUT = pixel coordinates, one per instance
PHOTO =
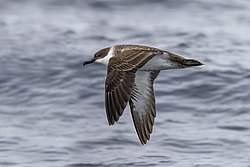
(120, 81)
(142, 104)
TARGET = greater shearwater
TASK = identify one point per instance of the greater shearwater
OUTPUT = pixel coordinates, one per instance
(131, 71)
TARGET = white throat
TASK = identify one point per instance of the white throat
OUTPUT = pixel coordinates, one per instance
(105, 60)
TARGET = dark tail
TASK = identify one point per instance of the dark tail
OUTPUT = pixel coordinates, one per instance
(191, 62)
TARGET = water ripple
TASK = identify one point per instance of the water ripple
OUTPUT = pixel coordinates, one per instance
(52, 109)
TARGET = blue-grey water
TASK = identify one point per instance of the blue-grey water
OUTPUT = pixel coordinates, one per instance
(52, 109)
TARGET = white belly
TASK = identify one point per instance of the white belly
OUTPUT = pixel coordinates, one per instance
(159, 62)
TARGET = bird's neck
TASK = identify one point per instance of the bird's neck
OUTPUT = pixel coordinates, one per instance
(105, 60)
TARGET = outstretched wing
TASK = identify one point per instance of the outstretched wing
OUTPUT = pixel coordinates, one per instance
(120, 80)
(119, 86)
(142, 104)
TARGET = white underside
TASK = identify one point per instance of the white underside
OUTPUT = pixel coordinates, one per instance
(159, 62)
(142, 81)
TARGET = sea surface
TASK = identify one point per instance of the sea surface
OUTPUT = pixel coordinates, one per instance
(52, 109)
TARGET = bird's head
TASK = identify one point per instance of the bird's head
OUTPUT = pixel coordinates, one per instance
(100, 56)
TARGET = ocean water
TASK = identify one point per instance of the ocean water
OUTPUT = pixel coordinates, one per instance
(52, 109)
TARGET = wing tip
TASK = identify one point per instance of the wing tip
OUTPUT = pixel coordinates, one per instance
(143, 143)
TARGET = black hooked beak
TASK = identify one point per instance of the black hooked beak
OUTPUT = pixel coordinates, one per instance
(89, 62)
